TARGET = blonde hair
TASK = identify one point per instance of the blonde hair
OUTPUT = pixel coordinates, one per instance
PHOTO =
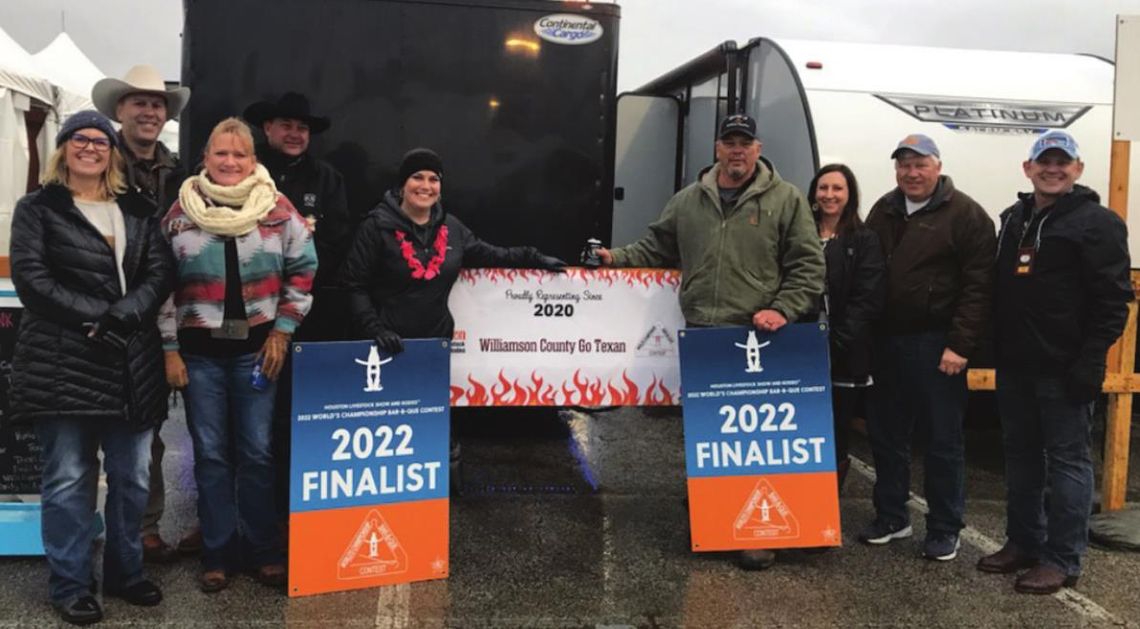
(236, 127)
(112, 183)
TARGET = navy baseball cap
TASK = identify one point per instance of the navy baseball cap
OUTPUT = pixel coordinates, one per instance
(1054, 139)
(737, 123)
(919, 143)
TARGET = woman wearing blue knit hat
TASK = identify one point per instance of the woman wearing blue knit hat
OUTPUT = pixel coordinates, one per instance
(91, 271)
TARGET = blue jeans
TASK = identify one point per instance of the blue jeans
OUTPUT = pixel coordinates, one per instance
(1046, 439)
(910, 389)
(230, 424)
(70, 475)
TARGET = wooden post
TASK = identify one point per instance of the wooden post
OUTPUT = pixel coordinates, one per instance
(1118, 202)
(1121, 357)
(1118, 422)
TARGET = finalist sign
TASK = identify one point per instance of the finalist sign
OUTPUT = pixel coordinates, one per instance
(369, 476)
(759, 454)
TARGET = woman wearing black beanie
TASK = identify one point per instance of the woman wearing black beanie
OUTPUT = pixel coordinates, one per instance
(407, 256)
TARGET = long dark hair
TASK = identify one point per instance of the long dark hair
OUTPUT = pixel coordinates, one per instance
(849, 219)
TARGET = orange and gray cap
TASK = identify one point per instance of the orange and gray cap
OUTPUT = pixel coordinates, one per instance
(918, 143)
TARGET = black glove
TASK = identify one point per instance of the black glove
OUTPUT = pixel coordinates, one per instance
(1085, 377)
(389, 342)
(111, 332)
(550, 263)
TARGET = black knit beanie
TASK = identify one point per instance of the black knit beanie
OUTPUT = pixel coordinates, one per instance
(416, 160)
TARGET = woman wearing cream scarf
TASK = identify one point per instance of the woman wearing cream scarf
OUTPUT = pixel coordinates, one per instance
(245, 268)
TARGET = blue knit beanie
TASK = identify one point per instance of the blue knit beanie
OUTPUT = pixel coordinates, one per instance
(87, 119)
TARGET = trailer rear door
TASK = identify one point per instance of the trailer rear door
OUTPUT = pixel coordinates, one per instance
(646, 170)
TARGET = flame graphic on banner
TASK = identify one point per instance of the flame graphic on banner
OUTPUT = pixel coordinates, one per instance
(644, 278)
(477, 396)
(578, 391)
(666, 397)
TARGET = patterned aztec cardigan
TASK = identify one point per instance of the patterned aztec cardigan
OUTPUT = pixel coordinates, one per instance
(277, 264)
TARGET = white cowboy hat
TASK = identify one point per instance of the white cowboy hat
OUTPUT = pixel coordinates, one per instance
(140, 79)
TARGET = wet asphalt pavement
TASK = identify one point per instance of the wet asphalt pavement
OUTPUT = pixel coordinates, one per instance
(579, 520)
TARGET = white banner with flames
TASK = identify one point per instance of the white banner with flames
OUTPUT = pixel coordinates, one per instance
(604, 337)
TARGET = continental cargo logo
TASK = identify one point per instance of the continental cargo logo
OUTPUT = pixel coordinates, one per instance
(988, 116)
(567, 28)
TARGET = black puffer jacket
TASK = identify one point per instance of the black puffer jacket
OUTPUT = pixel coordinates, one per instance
(65, 275)
(382, 292)
(856, 296)
(1074, 301)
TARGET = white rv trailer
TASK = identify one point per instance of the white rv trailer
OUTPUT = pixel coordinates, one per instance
(822, 102)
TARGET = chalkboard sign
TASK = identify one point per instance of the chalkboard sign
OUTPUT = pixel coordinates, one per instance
(19, 451)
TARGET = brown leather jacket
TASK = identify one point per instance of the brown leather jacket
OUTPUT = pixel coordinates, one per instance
(939, 265)
(157, 179)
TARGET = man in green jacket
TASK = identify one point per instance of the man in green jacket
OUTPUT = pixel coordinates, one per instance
(746, 245)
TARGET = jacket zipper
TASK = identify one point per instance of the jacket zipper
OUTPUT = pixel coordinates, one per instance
(744, 196)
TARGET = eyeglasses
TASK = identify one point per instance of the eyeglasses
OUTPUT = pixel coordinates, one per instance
(80, 141)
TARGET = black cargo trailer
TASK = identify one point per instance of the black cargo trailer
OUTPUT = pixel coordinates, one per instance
(517, 96)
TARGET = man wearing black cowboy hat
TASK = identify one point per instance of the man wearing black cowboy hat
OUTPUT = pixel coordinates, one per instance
(317, 190)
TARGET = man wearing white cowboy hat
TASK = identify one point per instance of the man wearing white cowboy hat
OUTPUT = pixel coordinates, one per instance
(142, 104)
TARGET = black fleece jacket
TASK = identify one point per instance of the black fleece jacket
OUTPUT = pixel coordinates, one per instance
(383, 295)
(1072, 304)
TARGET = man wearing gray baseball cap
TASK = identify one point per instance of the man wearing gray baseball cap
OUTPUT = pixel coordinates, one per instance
(1060, 300)
(939, 244)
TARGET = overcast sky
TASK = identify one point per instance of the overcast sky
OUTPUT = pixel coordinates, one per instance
(656, 35)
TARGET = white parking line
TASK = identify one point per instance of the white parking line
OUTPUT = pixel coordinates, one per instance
(393, 607)
(1070, 598)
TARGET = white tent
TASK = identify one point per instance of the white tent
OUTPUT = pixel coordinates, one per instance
(66, 65)
(21, 85)
(19, 71)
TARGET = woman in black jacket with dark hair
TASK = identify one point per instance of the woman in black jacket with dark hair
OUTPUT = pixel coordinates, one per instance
(854, 297)
(407, 256)
(90, 269)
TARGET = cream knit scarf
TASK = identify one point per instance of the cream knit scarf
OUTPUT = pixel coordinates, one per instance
(228, 210)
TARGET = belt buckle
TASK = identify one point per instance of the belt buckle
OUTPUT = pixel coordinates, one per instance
(232, 329)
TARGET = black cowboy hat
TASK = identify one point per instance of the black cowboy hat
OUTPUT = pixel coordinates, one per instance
(290, 105)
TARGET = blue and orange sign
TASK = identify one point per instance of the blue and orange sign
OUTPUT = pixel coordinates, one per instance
(759, 454)
(369, 477)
